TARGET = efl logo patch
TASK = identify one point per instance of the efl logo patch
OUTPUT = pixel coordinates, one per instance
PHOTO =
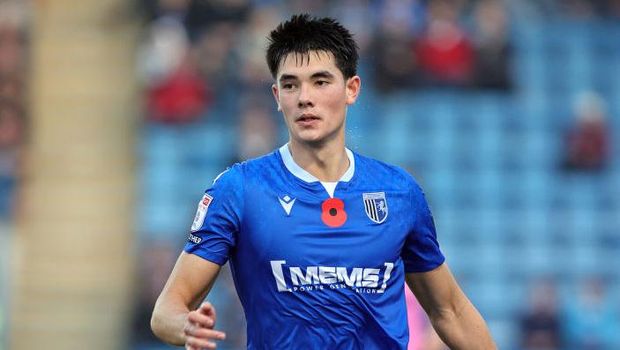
(201, 213)
(375, 206)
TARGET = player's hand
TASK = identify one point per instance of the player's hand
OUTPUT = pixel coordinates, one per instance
(199, 332)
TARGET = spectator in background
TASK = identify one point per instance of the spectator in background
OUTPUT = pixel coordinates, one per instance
(181, 98)
(591, 320)
(176, 93)
(166, 41)
(444, 52)
(492, 48)
(540, 325)
(587, 142)
(394, 62)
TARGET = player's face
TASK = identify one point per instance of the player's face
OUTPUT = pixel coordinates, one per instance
(313, 95)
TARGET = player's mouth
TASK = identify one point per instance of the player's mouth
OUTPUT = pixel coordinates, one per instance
(307, 119)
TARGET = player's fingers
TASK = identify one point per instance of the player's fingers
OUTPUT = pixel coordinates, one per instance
(205, 333)
(197, 331)
(208, 309)
(198, 343)
(191, 328)
(201, 319)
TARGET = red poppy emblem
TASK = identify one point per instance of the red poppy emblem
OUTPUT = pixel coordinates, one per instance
(333, 214)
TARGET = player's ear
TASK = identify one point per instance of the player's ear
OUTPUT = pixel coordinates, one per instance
(274, 90)
(353, 86)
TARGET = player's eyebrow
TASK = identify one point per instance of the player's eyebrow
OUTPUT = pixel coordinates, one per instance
(322, 74)
(285, 77)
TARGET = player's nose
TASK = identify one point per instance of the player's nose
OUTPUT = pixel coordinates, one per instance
(304, 99)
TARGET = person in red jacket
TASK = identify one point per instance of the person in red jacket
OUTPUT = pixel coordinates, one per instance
(444, 52)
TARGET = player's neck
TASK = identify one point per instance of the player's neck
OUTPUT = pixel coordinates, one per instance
(327, 162)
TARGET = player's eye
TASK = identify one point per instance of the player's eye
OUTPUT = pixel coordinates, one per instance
(321, 82)
(288, 86)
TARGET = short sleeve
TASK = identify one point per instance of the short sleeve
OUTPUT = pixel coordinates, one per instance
(218, 218)
(421, 251)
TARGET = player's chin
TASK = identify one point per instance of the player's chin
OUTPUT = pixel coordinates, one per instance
(310, 136)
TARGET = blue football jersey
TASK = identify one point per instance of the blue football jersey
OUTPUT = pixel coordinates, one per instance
(318, 265)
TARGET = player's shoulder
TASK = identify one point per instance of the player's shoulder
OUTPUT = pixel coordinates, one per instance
(247, 169)
(382, 171)
(231, 176)
(256, 167)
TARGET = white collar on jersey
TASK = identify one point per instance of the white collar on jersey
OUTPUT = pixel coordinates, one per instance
(299, 172)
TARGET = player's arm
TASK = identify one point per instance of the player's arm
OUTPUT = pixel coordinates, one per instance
(178, 318)
(453, 316)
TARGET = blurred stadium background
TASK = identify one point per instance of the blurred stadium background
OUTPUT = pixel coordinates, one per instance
(116, 115)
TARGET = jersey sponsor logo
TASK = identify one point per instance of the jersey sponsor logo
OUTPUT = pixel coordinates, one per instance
(287, 204)
(201, 212)
(361, 279)
(375, 206)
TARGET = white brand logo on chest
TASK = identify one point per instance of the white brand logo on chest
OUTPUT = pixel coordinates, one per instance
(287, 204)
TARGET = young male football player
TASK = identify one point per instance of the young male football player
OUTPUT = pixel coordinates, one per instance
(320, 239)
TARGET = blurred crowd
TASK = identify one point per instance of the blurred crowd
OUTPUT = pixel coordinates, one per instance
(585, 321)
(202, 59)
(198, 52)
(13, 104)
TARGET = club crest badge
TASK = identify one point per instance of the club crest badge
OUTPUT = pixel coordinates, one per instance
(376, 206)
